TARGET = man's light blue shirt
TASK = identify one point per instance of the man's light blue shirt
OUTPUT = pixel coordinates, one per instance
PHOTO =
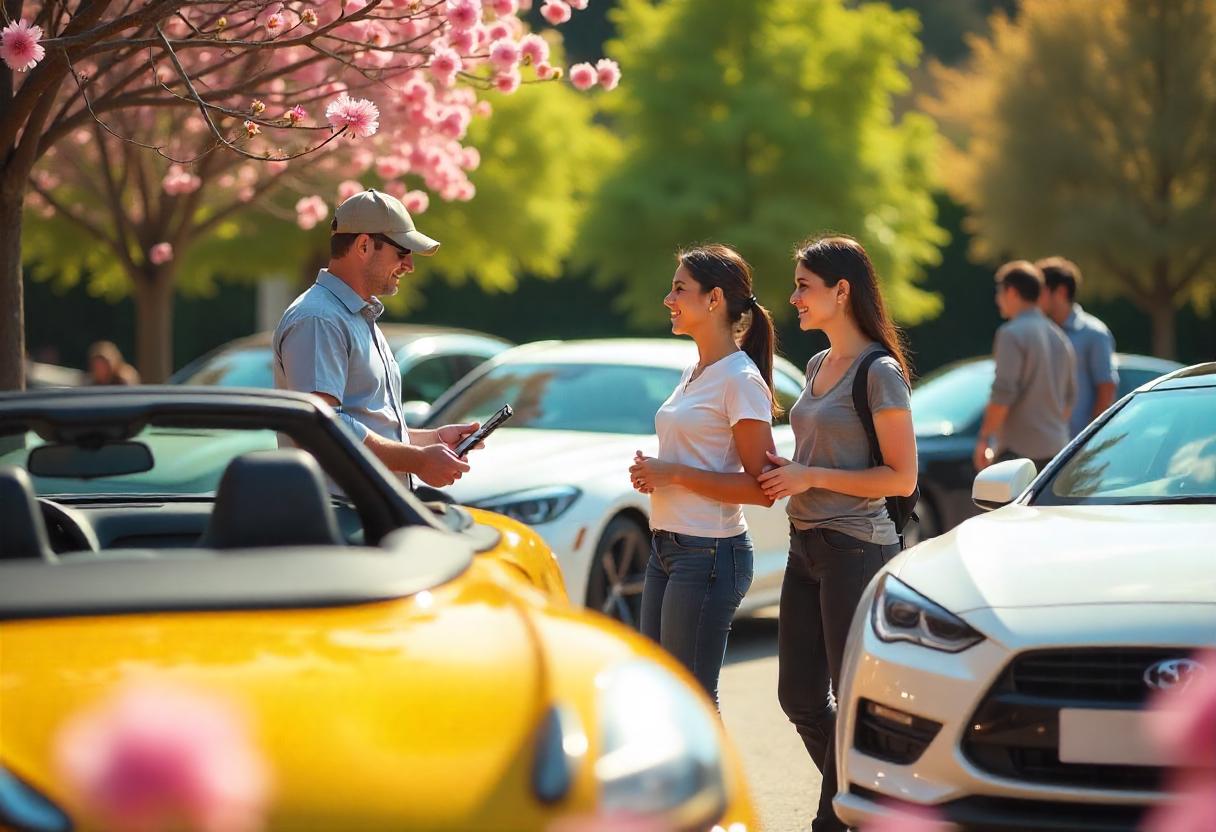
(328, 342)
(1094, 347)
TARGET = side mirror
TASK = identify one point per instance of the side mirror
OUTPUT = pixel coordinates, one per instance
(415, 412)
(1000, 484)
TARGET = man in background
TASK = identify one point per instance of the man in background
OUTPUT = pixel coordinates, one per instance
(1035, 386)
(1094, 346)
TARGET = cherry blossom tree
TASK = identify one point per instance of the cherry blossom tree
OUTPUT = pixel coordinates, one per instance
(149, 125)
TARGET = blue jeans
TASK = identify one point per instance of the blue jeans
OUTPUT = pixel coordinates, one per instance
(693, 587)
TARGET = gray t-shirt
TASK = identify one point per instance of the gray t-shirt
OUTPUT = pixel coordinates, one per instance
(1036, 379)
(828, 434)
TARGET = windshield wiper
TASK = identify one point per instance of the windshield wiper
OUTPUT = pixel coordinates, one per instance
(1194, 499)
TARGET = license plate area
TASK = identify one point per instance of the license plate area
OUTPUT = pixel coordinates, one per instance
(1108, 737)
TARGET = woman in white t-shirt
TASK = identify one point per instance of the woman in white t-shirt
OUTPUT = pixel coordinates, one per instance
(714, 433)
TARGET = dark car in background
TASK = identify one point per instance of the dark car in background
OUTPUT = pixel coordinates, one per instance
(432, 359)
(947, 407)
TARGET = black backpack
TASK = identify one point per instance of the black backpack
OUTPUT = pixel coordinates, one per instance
(899, 509)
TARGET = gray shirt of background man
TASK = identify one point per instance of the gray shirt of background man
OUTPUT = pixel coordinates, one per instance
(1036, 380)
(1094, 348)
(328, 342)
(828, 434)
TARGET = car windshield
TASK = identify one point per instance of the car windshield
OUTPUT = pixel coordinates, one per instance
(1160, 447)
(600, 398)
(185, 461)
(239, 368)
(952, 399)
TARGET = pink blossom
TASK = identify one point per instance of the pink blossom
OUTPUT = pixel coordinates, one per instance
(504, 55)
(395, 188)
(483, 109)
(274, 24)
(390, 167)
(268, 11)
(416, 202)
(296, 114)
(347, 189)
(180, 181)
(470, 158)
(463, 14)
(608, 73)
(465, 191)
(504, 8)
(577, 4)
(309, 17)
(252, 128)
(583, 76)
(534, 49)
(445, 63)
(19, 46)
(160, 253)
(158, 756)
(359, 115)
(276, 166)
(555, 11)
(507, 82)
(500, 30)
(464, 41)
(310, 210)
(544, 72)
(455, 122)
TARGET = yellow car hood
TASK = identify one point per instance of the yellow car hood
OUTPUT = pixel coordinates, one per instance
(385, 715)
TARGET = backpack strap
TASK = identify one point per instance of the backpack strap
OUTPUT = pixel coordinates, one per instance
(861, 403)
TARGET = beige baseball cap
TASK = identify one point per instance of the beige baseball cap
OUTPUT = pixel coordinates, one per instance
(375, 212)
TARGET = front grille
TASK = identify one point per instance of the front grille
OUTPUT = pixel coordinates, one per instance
(1015, 731)
(1107, 675)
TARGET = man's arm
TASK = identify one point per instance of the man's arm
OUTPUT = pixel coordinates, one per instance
(1104, 397)
(1006, 388)
(990, 431)
(1102, 369)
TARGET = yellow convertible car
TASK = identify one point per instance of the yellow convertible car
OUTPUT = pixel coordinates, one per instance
(401, 667)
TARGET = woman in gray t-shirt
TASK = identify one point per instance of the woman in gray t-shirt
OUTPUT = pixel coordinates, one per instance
(840, 533)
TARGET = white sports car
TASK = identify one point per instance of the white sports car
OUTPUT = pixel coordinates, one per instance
(1000, 673)
(582, 408)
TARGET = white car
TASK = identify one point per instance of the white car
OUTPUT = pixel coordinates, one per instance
(561, 465)
(1000, 673)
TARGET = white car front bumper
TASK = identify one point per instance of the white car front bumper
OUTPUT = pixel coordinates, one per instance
(983, 749)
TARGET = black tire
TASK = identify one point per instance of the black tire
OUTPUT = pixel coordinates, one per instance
(618, 570)
(928, 526)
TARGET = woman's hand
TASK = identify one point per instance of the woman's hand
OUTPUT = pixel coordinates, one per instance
(648, 473)
(787, 479)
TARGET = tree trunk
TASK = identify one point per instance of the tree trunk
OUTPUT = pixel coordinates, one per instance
(154, 324)
(1164, 335)
(12, 295)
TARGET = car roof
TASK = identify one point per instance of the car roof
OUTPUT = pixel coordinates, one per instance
(646, 352)
(1197, 375)
(398, 334)
(1131, 361)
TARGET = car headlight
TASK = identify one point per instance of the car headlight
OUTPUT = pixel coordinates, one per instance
(659, 752)
(23, 808)
(534, 506)
(902, 614)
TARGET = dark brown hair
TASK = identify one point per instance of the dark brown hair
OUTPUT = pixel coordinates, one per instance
(1023, 276)
(837, 258)
(1060, 271)
(715, 266)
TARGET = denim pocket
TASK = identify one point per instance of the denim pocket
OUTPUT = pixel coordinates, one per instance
(841, 542)
(744, 567)
(694, 543)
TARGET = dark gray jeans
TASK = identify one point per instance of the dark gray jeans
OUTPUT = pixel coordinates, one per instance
(693, 587)
(825, 576)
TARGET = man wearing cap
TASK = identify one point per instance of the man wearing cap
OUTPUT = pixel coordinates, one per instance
(328, 343)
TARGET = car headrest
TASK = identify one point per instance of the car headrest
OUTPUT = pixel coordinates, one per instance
(22, 529)
(272, 498)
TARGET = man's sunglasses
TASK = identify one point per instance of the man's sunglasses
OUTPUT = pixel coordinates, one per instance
(381, 239)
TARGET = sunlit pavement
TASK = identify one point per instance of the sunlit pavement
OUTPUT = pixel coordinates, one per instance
(784, 781)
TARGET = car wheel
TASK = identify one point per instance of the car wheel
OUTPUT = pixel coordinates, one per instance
(618, 571)
(928, 526)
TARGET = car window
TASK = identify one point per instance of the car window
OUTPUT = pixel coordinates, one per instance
(429, 378)
(249, 367)
(1160, 446)
(952, 400)
(185, 461)
(601, 398)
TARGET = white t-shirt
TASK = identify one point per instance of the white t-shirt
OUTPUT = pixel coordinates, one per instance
(694, 428)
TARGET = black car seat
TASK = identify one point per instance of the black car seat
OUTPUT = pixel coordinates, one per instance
(272, 498)
(22, 528)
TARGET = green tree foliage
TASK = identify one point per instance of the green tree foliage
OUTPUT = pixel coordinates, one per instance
(1088, 128)
(758, 125)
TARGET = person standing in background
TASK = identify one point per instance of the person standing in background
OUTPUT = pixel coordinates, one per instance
(108, 367)
(1092, 342)
(1035, 387)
